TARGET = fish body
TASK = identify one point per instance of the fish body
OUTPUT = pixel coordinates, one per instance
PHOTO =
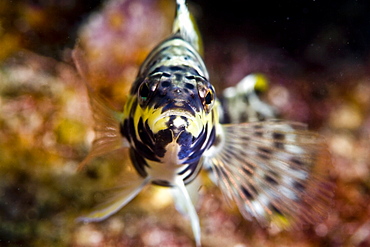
(170, 118)
(175, 126)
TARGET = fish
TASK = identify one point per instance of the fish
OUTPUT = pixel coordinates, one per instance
(174, 127)
(242, 103)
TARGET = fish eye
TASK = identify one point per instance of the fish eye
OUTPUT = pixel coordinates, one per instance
(144, 92)
(209, 98)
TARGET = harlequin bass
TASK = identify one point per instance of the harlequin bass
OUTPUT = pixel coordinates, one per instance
(175, 126)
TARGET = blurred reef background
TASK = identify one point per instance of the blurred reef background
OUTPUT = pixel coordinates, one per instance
(315, 53)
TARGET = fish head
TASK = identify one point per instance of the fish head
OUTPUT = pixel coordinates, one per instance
(176, 107)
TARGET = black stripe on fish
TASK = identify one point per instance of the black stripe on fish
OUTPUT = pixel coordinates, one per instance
(139, 162)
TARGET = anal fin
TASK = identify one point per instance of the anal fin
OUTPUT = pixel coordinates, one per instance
(187, 208)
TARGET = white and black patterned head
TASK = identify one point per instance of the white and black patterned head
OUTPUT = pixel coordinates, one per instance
(172, 118)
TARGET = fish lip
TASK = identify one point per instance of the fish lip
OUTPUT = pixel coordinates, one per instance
(176, 112)
(187, 118)
(179, 105)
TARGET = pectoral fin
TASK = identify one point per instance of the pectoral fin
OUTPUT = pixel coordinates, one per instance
(273, 171)
(107, 121)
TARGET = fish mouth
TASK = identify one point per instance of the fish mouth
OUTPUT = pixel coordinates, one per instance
(176, 119)
(179, 119)
(180, 106)
(177, 112)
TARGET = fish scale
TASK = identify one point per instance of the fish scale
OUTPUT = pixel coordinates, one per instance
(175, 126)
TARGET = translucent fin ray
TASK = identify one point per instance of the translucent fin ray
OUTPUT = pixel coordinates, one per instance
(123, 196)
(107, 121)
(107, 129)
(273, 171)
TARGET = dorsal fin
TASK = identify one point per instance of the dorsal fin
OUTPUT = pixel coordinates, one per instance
(185, 26)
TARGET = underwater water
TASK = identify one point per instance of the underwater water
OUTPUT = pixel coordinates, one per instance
(316, 56)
